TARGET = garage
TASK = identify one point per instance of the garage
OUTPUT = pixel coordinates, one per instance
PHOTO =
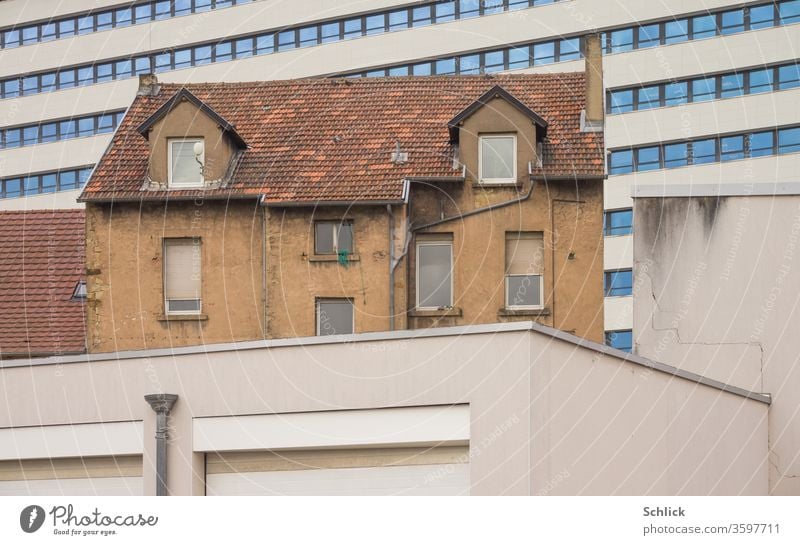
(95, 476)
(417, 471)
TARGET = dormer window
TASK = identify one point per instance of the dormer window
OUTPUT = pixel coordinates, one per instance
(497, 158)
(186, 160)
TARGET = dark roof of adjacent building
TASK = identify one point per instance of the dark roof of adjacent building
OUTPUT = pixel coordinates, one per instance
(42, 260)
(331, 140)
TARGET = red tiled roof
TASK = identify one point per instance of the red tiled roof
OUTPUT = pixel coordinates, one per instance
(332, 139)
(41, 262)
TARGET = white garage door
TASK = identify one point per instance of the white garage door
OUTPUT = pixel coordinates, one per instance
(102, 476)
(421, 471)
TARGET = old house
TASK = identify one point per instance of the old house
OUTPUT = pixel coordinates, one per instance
(231, 212)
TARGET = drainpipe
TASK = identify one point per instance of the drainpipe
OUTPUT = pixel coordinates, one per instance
(264, 292)
(391, 266)
(161, 404)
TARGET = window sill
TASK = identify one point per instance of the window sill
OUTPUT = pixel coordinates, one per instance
(496, 185)
(435, 312)
(329, 258)
(509, 312)
(182, 317)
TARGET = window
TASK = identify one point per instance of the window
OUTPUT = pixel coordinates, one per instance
(80, 290)
(524, 269)
(569, 49)
(621, 40)
(704, 26)
(335, 317)
(621, 101)
(704, 89)
(185, 168)
(676, 93)
(618, 222)
(648, 159)
(544, 53)
(497, 159)
(649, 97)
(789, 76)
(731, 85)
(435, 273)
(676, 31)
(732, 22)
(704, 151)
(618, 283)
(762, 17)
(333, 237)
(788, 140)
(761, 80)
(182, 270)
(649, 35)
(732, 148)
(621, 340)
(621, 162)
(676, 155)
(789, 12)
(762, 143)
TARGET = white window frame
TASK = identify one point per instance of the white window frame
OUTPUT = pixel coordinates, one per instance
(513, 178)
(170, 142)
(336, 226)
(420, 244)
(320, 300)
(167, 311)
(540, 306)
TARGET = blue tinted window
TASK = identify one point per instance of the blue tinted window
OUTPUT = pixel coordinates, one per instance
(85, 24)
(265, 44)
(621, 40)
(85, 75)
(68, 129)
(48, 82)
(788, 140)
(676, 31)
(13, 138)
(544, 53)
(30, 35)
(66, 79)
(11, 88)
(676, 93)
(704, 89)
(123, 69)
(13, 187)
(105, 123)
(11, 38)
(244, 48)
(621, 162)
(618, 222)
(202, 54)
(470, 8)
(30, 85)
(704, 151)
(445, 11)
(569, 49)
(421, 16)
(183, 7)
(68, 180)
(222, 52)
(48, 132)
(83, 174)
(30, 136)
(492, 6)
(470, 64)
(518, 58)
(48, 183)
(86, 126)
(105, 72)
(398, 71)
(761, 80)
(762, 17)
(493, 62)
(142, 65)
(704, 26)
(648, 158)
(376, 24)
(649, 97)
(732, 85)
(398, 20)
(649, 35)
(621, 101)
(162, 9)
(621, 340)
(124, 17)
(287, 40)
(732, 148)
(48, 32)
(762, 143)
(446, 66)
(330, 32)
(104, 20)
(66, 28)
(142, 13)
(31, 185)
(618, 283)
(789, 12)
(676, 155)
(352, 28)
(163, 62)
(789, 76)
(422, 69)
(732, 22)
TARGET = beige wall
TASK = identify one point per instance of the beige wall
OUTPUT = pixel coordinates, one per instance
(715, 292)
(124, 262)
(546, 416)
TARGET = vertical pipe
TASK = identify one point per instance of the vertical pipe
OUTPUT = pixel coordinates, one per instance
(161, 404)
(391, 266)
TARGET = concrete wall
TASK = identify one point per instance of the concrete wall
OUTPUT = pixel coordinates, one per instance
(715, 283)
(547, 416)
(124, 262)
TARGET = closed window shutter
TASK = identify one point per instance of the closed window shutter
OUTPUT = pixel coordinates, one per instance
(525, 254)
(182, 274)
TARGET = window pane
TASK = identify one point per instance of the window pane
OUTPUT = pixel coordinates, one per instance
(103, 20)
(68, 180)
(434, 280)
(518, 58)
(761, 143)
(308, 36)
(105, 72)
(731, 148)
(732, 22)
(422, 69)
(182, 274)
(676, 31)
(569, 49)
(704, 26)
(344, 240)
(142, 13)
(649, 97)
(86, 24)
(323, 238)
(788, 140)
(676, 155)
(445, 11)
(163, 62)
(648, 158)
(524, 291)
(66, 28)
(618, 222)
(330, 32)
(48, 183)
(30, 85)
(13, 138)
(446, 66)
(649, 35)
(223, 51)
(470, 8)
(493, 62)
(142, 65)
(31, 185)
(352, 28)
(704, 89)
(398, 20)
(13, 187)
(732, 85)
(11, 88)
(48, 132)
(86, 126)
(185, 169)
(761, 80)
(497, 158)
(11, 38)
(789, 12)
(621, 340)
(789, 76)
(202, 5)
(621, 40)
(123, 69)
(621, 162)
(244, 48)
(105, 123)
(163, 9)
(544, 53)
(48, 82)
(334, 317)
(398, 71)
(124, 17)
(704, 151)
(48, 32)
(30, 35)
(30, 136)
(470, 64)
(265, 44)
(183, 7)
(421, 16)
(376, 24)
(762, 17)
(618, 283)
(287, 40)
(676, 93)
(68, 129)
(492, 6)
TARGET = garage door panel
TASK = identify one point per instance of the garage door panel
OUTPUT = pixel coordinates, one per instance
(102, 476)
(111, 486)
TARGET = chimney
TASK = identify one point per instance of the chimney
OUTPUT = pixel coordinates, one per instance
(148, 85)
(593, 117)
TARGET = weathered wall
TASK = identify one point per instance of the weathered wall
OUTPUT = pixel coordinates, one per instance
(125, 273)
(716, 292)
(187, 121)
(571, 220)
(297, 277)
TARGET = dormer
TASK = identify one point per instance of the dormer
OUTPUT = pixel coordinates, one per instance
(497, 137)
(191, 145)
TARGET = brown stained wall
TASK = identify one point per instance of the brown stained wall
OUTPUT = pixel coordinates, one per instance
(297, 277)
(124, 262)
(187, 121)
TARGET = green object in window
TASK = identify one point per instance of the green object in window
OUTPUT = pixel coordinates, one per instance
(342, 254)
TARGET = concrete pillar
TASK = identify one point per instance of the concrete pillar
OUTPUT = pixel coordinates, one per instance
(161, 404)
